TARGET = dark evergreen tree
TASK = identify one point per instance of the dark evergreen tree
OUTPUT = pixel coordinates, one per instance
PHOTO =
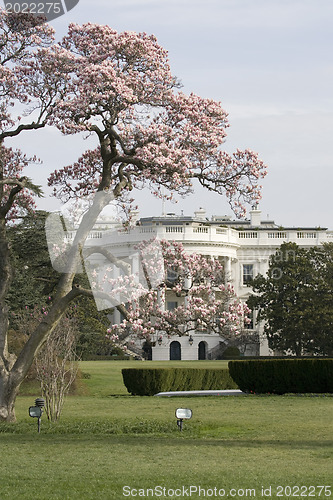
(295, 300)
(34, 284)
(34, 279)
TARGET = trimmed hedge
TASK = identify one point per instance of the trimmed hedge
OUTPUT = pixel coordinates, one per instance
(280, 376)
(150, 381)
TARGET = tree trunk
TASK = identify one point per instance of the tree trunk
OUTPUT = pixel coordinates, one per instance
(13, 370)
(8, 393)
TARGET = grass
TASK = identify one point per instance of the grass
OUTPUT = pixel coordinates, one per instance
(107, 439)
(106, 378)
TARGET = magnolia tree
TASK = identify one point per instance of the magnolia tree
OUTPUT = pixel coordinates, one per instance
(206, 303)
(119, 88)
(23, 86)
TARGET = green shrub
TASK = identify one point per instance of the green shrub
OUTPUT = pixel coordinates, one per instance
(280, 376)
(150, 381)
(231, 352)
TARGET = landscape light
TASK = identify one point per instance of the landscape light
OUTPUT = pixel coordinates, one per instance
(182, 414)
(37, 410)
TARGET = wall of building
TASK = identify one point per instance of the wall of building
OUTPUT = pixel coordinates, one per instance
(236, 243)
(188, 351)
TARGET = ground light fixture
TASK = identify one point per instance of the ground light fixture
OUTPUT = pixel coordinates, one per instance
(182, 414)
(37, 410)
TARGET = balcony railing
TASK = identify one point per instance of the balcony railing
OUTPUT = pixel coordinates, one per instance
(247, 234)
(216, 235)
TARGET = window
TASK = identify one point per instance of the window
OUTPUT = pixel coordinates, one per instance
(175, 351)
(247, 273)
(172, 275)
(171, 305)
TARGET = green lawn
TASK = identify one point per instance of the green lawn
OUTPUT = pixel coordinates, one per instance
(107, 379)
(109, 444)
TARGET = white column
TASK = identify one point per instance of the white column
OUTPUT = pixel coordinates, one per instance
(135, 266)
(116, 316)
(187, 287)
(227, 270)
(116, 298)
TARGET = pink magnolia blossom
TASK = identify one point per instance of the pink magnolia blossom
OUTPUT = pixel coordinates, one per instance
(120, 87)
(22, 84)
(205, 302)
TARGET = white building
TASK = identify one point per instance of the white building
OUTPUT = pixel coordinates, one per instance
(243, 246)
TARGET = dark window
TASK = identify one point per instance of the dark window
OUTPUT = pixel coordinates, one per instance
(247, 273)
(172, 275)
(202, 350)
(175, 351)
(171, 305)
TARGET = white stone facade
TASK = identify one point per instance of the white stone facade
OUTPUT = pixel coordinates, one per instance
(244, 248)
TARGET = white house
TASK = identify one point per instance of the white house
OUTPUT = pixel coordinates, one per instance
(244, 246)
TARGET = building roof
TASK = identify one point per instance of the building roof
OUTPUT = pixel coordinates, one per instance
(170, 219)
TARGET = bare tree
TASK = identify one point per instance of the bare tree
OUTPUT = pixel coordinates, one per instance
(57, 366)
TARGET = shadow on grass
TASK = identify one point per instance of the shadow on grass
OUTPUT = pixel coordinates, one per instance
(137, 435)
(151, 442)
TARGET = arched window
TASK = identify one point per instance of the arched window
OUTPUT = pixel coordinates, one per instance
(175, 351)
(202, 350)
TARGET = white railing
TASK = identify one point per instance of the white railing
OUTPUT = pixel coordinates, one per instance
(306, 235)
(91, 236)
(148, 229)
(278, 234)
(247, 234)
(174, 229)
(95, 235)
(213, 234)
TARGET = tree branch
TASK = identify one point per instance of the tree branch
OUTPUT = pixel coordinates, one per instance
(109, 256)
(13, 133)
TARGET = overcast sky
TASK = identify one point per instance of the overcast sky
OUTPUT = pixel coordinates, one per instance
(270, 63)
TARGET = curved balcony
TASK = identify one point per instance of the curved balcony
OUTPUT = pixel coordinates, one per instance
(210, 240)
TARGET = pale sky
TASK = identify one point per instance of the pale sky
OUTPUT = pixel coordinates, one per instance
(270, 63)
